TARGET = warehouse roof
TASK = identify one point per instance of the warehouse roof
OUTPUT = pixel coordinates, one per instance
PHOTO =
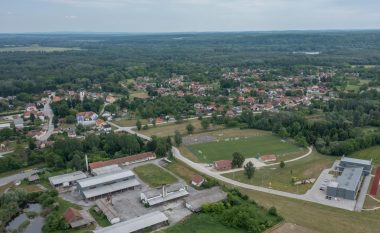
(106, 169)
(107, 209)
(105, 178)
(123, 160)
(69, 177)
(350, 178)
(356, 161)
(95, 192)
(136, 224)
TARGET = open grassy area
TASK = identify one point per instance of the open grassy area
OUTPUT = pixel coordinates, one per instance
(100, 218)
(153, 175)
(35, 48)
(129, 122)
(369, 153)
(182, 171)
(201, 223)
(139, 95)
(281, 178)
(169, 129)
(317, 217)
(249, 146)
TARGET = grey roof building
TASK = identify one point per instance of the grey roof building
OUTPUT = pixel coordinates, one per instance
(66, 179)
(108, 183)
(167, 193)
(347, 162)
(140, 224)
(351, 174)
(347, 184)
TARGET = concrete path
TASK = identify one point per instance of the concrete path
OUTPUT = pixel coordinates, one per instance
(48, 112)
(16, 177)
(259, 164)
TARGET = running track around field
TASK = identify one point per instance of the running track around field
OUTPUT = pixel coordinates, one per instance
(375, 183)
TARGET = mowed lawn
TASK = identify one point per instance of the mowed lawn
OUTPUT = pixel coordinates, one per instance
(201, 223)
(153, 175)
(281, 178)
(369, 153)
(249, 146)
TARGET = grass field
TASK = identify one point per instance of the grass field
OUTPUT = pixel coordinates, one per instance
(169, 129)
(322, 219)
(182, 171)
(249, 146)
(201, 223)
(129, 122)
(35, 48)
(369, 153)
(281, 178)
(153, 175)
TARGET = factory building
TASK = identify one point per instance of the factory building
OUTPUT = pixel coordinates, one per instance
(167, 193)
(105, 184)
(66, 180)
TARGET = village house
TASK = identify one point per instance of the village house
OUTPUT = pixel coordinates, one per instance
(86, 118)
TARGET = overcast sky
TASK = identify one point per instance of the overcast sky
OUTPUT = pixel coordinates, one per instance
(186, 15)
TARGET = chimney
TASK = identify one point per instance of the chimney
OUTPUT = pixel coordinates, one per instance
(164, 193)
(86, 159)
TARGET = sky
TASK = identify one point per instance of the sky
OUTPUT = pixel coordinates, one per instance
(17, 16)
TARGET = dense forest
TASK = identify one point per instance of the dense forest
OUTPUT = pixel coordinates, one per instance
(108, 59)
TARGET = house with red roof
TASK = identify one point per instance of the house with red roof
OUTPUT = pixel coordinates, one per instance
(223, 165)
(77, 218)
(197, 181)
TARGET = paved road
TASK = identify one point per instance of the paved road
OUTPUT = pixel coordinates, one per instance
(48, 112)
(16, 177)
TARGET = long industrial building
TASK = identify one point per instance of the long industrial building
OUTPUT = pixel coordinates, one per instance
(167, 193)
(66, 180)
(102, 185)
(143, 223)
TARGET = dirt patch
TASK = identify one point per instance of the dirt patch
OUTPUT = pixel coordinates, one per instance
(290, 228)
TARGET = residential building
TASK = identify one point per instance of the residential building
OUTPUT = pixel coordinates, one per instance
(197, 181)
(86, 118)
(223, 165)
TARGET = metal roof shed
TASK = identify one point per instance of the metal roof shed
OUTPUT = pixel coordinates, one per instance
(66, 178)
(137, 224)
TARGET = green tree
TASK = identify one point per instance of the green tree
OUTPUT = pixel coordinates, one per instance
(237, 160)
(138, 124)
(190, 128)
(283, 132)
(177, 138)
(205, 123)
(249, 170)
(282, 164)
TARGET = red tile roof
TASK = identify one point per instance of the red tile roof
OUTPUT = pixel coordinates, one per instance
(223, 165)
(197, 179)
(72, 215)
(127, 159)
